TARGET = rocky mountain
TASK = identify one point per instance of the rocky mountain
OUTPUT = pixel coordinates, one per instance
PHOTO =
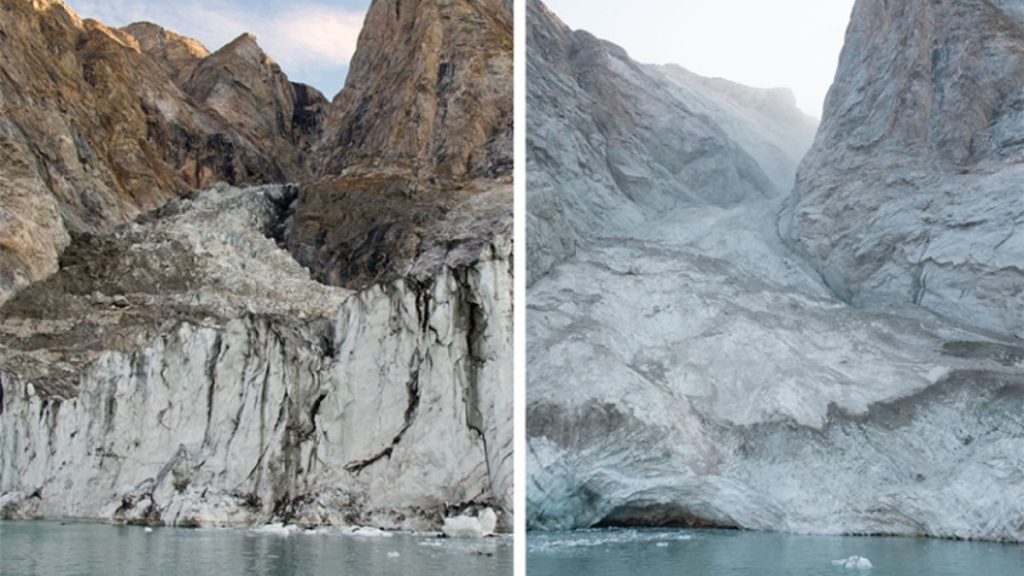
(687, 367)
(912, 192)
(614, 143)
(99, 126)
(422, 127)
(184, 366)
(178, 55)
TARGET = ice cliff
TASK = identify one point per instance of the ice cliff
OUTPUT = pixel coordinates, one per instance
(687, 367)
(321, 352)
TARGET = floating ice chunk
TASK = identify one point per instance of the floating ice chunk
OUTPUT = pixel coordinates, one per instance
(484, 524)
(462, 527)
(393, 554)
(853, 563)
(661, 545)
(147, 530)
(276, 529)
(368, 532)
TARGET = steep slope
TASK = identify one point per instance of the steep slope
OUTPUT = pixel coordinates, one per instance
(245, 87)
(912, 191)
(176, 54)
(189, 371)
(766, 123)
(417, 149)
(430, 91)
(613, 156)
(691, 370)
(95, 131)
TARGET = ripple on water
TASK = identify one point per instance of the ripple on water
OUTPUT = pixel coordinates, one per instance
(56, 549)
(651, 552)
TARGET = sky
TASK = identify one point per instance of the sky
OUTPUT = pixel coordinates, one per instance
(765, 43)
(312, 40)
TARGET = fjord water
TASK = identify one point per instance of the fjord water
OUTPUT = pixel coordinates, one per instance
(630, 552)
(55, 549)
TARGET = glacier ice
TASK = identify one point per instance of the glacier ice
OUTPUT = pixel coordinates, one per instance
(853, 563)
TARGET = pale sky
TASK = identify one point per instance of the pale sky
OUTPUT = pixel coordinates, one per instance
(312, 40)
(764, 43)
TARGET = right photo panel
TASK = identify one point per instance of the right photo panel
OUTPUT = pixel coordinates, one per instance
(767, 327)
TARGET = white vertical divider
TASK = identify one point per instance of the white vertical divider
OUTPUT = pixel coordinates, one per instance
(519, 302)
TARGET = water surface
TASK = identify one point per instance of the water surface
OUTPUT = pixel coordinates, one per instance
(733, 553)
(56, 549)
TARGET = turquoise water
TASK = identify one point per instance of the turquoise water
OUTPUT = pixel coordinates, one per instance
(732, 553)
(54, 549)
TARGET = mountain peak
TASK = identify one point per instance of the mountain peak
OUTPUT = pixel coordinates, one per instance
(246, 47)
(153, 37)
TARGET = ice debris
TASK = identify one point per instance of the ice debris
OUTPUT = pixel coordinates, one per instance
(367, 532)
(462, 526)
(854, 563)
(276, 529)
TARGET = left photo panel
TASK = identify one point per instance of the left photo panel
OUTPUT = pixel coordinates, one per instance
(256, 275)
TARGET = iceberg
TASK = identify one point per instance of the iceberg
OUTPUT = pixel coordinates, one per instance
(853, 563)
(463, 526)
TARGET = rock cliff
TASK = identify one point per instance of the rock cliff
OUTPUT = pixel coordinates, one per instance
(184, 367)
(423, 127)
(687, 368)
(614, 143)
(912, 191)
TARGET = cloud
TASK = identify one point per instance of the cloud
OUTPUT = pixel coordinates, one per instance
(313, 42)
(330, 34)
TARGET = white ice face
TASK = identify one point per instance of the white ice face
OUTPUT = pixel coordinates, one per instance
(378, 405)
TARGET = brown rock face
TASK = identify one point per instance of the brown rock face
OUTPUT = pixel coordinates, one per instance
(244, 86)
(101, 125)
(429, 89)
(176, 54)
(418, 144)
(97, 127)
